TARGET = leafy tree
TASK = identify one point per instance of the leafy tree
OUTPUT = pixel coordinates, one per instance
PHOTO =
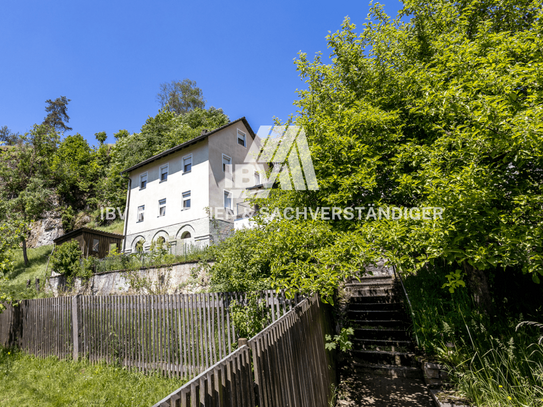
(101, 137)
(26, 177)
(180, 97)
(76, 170)
(57, 115)
(440, 107)
(9, 242)
(7, 137)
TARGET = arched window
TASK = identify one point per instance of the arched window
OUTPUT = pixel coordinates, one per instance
(139, 246)
(160, 242)
(186, 235)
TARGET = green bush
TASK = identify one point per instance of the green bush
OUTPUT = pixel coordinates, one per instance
(66, 259)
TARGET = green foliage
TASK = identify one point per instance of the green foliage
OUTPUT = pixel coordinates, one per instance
(440, 107)
(66, 259)
(241, 264)
(68, 219)
(7, 137)
(28, 380)
(250, 318)
(57, 114)
(494, 360)
(342, 340)
(180, 97)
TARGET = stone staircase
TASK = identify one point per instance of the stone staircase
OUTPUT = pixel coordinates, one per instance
(381, 343)
(382, 368)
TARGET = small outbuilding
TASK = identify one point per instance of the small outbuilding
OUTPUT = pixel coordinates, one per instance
(93, 242)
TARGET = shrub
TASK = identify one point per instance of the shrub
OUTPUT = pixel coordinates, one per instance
(66, 259)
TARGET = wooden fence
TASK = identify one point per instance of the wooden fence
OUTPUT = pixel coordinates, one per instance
(180, 335)
(284, 365)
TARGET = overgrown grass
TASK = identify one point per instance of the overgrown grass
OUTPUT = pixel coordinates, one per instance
(30, 381)
(114, 227)
(16, 282)
(493, 364)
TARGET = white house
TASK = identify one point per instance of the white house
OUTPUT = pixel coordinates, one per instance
(182, 194)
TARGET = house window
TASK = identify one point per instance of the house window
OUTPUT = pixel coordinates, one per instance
(225, 161)
(186, 200)
(241, 138)
(141, 210)
(162, 207)
(227, 200)
(143, 181)
(164, 173)
(95, 245)
(187, 163)
(257, 178)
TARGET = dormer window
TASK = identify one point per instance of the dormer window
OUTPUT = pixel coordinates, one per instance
(164, 173)
(187, 164)
(143, 181)
(241, 138)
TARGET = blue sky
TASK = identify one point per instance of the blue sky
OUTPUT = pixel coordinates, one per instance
(109, 57)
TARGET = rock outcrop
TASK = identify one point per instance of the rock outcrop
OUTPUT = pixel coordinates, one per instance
(44, 231)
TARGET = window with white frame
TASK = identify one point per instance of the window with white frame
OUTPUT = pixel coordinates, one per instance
(187, 164)
(164, 173)
(143, 181)
(141, 211)
(186, 200)
(227, 200)
(162, 207)
(225, 161)
(241, 138)
(257, 178)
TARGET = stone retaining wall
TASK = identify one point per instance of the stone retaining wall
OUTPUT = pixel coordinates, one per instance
(181, 278)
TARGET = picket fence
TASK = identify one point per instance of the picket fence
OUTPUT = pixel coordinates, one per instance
(179, 335)
(284, 365)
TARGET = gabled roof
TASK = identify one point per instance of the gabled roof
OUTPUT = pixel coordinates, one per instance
(189, 143)
(79, 231)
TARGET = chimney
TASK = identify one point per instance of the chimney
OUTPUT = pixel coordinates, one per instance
(205, 131)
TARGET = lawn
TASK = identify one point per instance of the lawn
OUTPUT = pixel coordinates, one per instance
(17, 279)
(30, 381)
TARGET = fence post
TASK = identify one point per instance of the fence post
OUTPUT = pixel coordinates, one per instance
(75, 327)
(242, 342)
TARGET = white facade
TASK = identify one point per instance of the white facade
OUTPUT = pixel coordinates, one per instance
(172, 194)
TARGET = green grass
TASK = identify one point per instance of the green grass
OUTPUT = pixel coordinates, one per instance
(30, 381)
(115, 227)
(492, 363)
(17, 280)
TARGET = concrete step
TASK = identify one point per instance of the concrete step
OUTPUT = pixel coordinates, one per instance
(384, 357)
(384, 334)
(391, 371)
(376, 280)
(375, 323)
(372, 292)
(376, 314)
(364, 299)
(358, 343)
(375, 305)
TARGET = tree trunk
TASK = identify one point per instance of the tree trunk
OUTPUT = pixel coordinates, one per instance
(25, 256)
(478, 285)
